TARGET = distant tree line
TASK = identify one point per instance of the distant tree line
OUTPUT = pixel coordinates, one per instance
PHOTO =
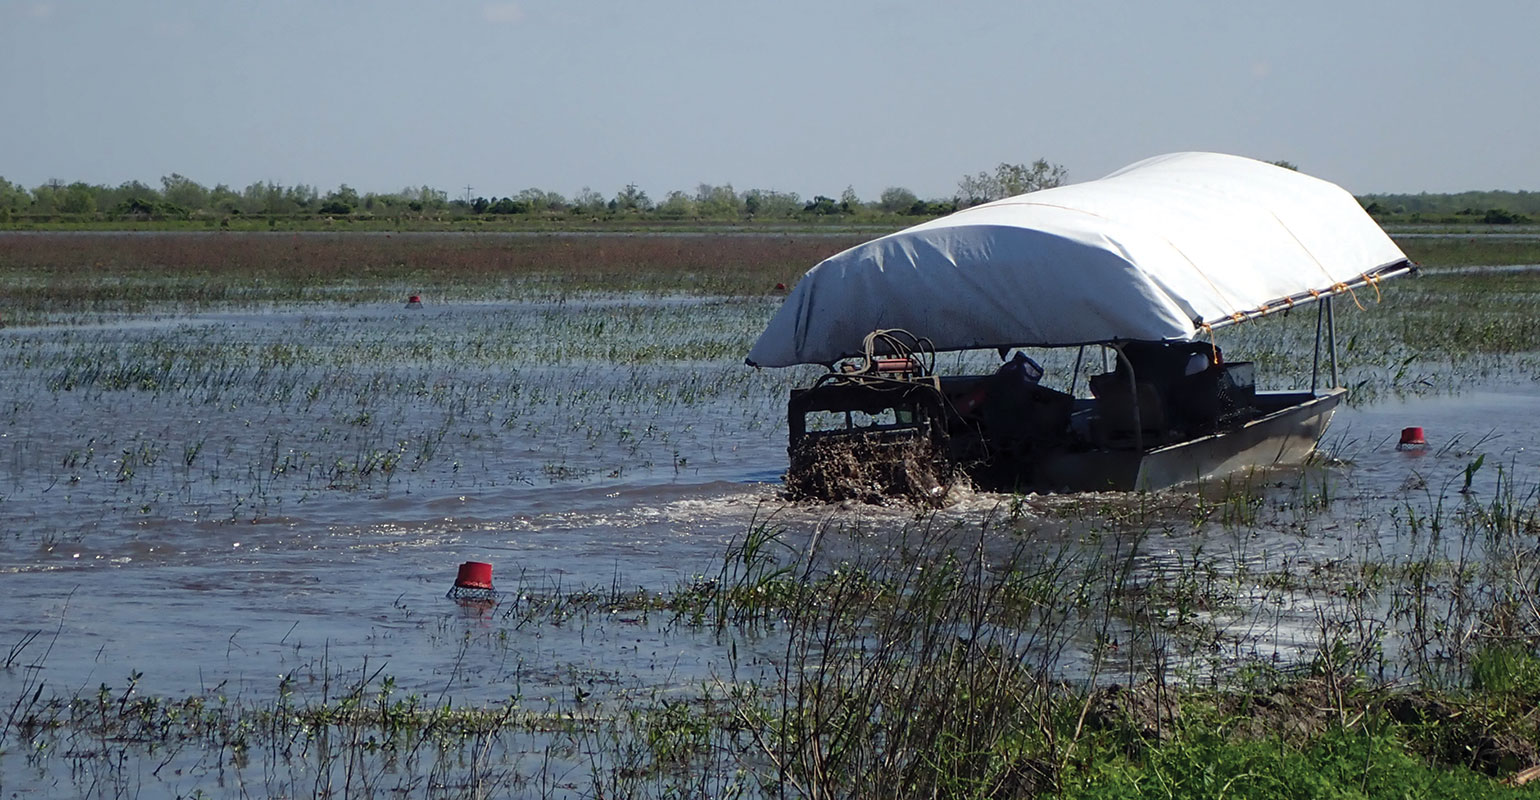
(1493, 208)
(181, 198)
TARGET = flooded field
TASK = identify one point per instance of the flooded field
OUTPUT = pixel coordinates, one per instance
(229, 526)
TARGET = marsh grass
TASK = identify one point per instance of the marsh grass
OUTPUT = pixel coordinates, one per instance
(946, 678)
(949, 659)
(367, 741)
(1438, 251)
(247, 418)
(961, 662)
(43, 276)
(1262, 631)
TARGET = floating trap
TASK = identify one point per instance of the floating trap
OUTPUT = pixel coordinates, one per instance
(473, 583)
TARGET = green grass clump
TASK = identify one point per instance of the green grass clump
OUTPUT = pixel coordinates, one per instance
(1506, 670)
(1339, 763)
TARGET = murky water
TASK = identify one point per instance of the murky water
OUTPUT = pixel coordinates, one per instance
(214, 498)
(219, 498)
(235, 503)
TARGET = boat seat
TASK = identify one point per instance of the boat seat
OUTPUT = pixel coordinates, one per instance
(1115, 423)
(1213, 398)
(1026, 414)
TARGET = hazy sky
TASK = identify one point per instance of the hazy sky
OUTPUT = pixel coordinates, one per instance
(793, 95)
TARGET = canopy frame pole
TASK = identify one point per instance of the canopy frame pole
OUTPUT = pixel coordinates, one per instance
(1313, 296)
(1331, 325)
(1074, 377)
(1315, 363)
(1133, 385)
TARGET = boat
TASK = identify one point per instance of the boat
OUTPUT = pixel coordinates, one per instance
(1146, 263)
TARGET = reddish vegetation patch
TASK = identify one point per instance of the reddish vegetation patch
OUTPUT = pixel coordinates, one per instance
(748, 263)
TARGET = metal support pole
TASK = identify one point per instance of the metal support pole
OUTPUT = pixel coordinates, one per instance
(1315, 363)
(1331, 325)
(1133, 385)
(1074, 378)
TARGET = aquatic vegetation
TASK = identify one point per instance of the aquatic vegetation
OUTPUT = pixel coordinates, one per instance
(1438, 250)
(261, 475)
(48, 276)
(953, 657)
(254, 414)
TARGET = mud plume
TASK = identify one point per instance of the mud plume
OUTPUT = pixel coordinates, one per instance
(869, 470)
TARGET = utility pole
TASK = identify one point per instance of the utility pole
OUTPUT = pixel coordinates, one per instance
(468, 194)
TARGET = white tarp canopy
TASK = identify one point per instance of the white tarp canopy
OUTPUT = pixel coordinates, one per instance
(1155, 251)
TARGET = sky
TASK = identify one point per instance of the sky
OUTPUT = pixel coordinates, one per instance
(805, 96)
